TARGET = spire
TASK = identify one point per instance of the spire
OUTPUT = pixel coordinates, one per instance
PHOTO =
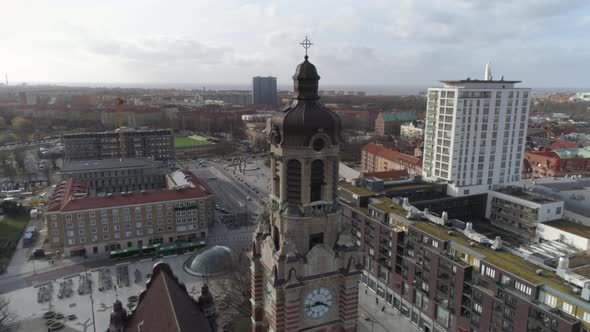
(306, 77)
(488, 74)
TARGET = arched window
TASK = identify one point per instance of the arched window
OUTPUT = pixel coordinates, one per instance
(294, 181)
(317, 180)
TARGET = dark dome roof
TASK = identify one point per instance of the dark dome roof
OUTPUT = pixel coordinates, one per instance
(210, 261)
(306, 117)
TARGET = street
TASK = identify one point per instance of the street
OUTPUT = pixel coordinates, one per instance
(380, 317)
(229, 192)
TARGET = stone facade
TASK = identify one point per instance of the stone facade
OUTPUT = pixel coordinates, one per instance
(305, 265)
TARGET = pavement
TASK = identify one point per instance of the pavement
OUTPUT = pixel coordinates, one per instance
(379, 316)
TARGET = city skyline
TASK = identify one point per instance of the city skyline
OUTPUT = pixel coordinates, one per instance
(411, 43)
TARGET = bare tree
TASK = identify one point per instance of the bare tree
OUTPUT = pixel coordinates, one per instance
(233, 289)
(7, 317)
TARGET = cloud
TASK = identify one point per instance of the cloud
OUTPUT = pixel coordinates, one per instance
(225, 41)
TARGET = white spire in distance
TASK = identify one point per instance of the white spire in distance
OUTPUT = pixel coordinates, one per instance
(488, 74)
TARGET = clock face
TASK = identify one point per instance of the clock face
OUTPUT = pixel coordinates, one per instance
(318, 302)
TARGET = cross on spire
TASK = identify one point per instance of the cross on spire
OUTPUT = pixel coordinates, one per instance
(306, 43)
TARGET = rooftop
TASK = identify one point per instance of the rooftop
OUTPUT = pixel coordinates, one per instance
(502, 259)
(479, 81)
(399, 116)
(574, 192)
(356, 190)
(574, 153)
(521, 193)
(165, 305)
(105, 164)
(570, 227)
(390, 154)
(70, 195)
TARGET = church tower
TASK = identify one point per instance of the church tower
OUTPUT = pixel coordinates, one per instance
(305, 265)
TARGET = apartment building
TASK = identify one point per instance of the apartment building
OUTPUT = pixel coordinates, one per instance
(157, 144)
(475, 133)
(558, 163)
(116, 175)
(377, 158)
(443, 275)
(78, 224)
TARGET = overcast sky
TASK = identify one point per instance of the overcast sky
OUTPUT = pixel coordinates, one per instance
(545, 43)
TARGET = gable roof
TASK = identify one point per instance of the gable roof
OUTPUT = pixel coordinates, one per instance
(166, 306)
(71, 195)
(390, 154)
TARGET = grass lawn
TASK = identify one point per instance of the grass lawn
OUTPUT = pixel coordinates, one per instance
(11, 229)
(185, 142)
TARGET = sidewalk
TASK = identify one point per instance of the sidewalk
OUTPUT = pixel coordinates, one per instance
(372, 317)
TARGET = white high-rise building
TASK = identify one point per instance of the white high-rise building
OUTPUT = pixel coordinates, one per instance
(475, 133)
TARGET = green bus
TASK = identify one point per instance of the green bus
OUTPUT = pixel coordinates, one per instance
(124, 253)
(157, 249)
(180, 248)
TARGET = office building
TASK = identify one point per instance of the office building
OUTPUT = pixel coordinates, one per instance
(264, 90)
(442, 274)
(157, 144)
(519, 212)
(475, 133)
(116, 175)
(78, 224)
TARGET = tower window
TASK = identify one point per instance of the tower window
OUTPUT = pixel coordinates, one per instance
(318, 144)
(316, 238)
(317, 180)
(294, 181)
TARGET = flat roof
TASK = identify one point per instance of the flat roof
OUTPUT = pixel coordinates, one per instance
(520, 193)
(356, 190)
(575, 193)
(103, 164)
(570, 227)
(502, 259)
(478, 81)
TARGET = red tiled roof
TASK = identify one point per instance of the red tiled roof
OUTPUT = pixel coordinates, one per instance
(559, 144)
(64, 198)
(65, 191)
(166, 306)
(390, 154)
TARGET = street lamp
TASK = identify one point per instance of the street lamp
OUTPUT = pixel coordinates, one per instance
(91, 299)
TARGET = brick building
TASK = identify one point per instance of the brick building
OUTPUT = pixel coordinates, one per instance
(557, 163)
(443, 275)
(389, 123)
(78, 224)
(377, 158)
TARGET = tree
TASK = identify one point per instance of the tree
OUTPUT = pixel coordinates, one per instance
(19, 159)
(7, 317)
(22, 126)
(2, 123)
(233, 289)
(6, 165)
